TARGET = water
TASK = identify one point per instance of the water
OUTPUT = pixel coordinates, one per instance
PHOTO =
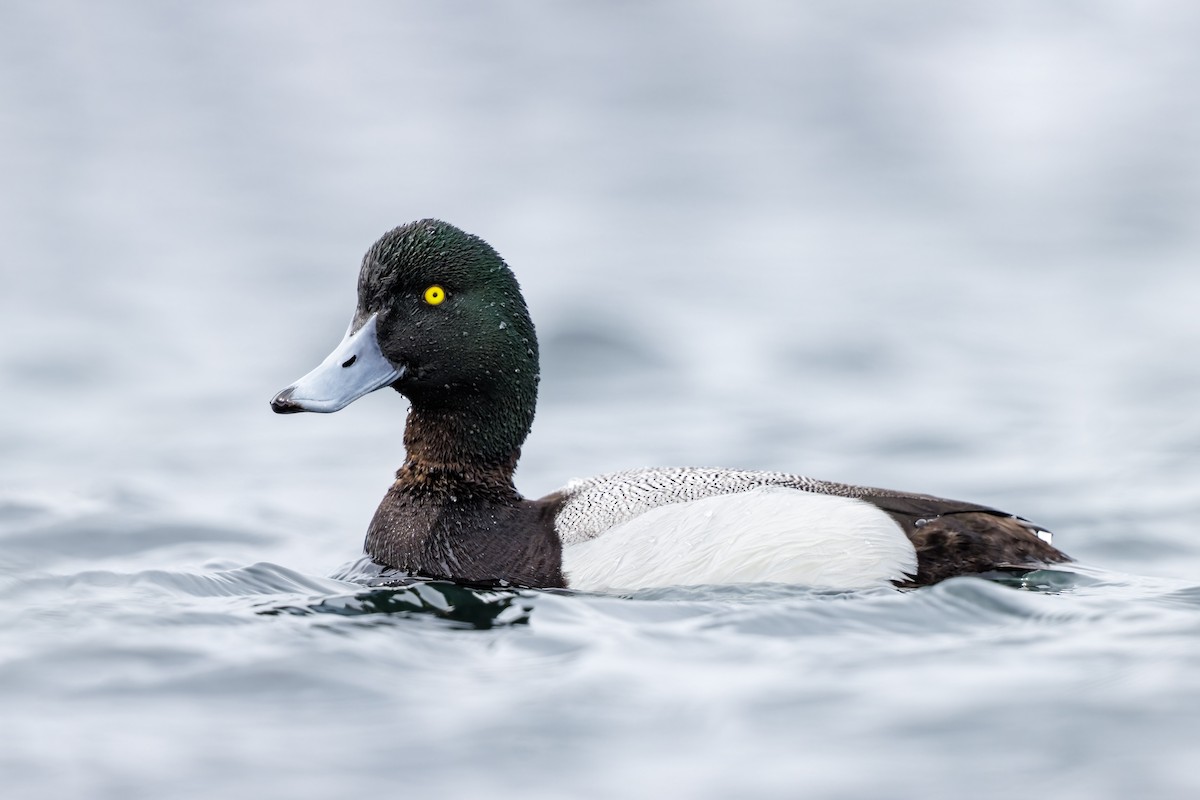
(944, 248)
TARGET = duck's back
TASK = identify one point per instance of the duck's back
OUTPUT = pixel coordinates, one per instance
(657, 527)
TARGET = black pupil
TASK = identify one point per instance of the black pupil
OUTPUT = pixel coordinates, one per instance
(349, 361)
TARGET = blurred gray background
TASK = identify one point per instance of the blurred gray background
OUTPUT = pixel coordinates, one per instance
(949, 247)
(943, 246)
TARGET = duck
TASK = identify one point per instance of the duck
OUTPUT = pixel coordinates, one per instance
(441, 319)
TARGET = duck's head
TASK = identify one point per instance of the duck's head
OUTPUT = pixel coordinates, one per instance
(441, 319)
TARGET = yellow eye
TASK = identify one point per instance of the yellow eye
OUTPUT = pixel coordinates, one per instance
(434, 295)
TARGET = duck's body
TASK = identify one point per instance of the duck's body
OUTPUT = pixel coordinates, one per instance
(441, 319)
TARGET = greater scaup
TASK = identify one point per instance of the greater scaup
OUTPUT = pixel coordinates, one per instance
(441, 319)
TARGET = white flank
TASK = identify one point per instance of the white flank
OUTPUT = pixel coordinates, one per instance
(767, 534)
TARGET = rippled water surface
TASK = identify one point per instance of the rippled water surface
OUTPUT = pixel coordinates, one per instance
(948, 248)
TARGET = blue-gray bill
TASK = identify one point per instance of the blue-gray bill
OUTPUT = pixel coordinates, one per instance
(355, 367)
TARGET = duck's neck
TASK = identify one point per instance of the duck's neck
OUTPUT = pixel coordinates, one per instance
(467, 449)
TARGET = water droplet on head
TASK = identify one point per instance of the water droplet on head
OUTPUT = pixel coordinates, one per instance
(503, 325)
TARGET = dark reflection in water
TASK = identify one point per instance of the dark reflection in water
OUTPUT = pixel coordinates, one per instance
(461, 605)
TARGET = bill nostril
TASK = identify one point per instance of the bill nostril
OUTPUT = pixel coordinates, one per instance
(350, 361)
